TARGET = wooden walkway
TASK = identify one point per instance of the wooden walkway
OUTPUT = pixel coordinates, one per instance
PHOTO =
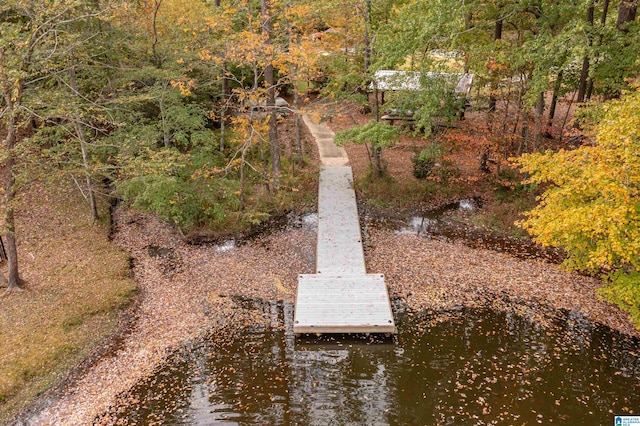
(340, 297)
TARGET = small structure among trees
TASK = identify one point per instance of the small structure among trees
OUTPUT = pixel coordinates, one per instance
(394, 80)
(422, 97)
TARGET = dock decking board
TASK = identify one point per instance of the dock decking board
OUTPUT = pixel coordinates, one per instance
(343, 304)
(339, 248)
(341, 297)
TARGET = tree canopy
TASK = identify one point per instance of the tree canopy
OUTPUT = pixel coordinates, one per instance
(591, 204)
(173, 106)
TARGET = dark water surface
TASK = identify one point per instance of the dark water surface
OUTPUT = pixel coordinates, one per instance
(466, 367)
(441, 224)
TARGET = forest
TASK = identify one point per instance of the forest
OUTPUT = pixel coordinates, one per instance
(193, 111)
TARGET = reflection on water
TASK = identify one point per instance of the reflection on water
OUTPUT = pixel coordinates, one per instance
(437, 223)
(228, 245)
(467, 205)
(306, 221)
(472, 367)
(431, 221)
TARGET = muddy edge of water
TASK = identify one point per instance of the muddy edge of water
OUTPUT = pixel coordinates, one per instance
(392, 221)
(127, 319)
(449, 222)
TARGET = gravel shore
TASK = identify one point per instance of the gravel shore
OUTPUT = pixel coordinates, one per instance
(186, 291)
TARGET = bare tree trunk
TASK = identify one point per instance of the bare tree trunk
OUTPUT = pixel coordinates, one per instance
(566, 117)
(163, 116)
(626, 13)
(507, 105)
(377, 161)
(83, 148)
(222, 132)
(241, 195)
(274, 146)
(225, 99)
(298, 124)
(483, 162)
(497, 35)
(603, 22)
(525, 131)
(554, 99)
(154, 46)
(519, 107)
(367, 40)
(376, 103)
(537, 138)
(367, 58)
(584, 74)
(13, 279)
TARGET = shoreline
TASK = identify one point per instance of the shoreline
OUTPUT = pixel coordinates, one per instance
(186, 291)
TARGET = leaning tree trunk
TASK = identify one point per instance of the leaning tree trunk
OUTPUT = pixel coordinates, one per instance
(83, 148)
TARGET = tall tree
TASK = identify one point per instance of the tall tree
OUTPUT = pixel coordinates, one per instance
(584, 74)
(274, 146)
(590, 207)
(34, 39)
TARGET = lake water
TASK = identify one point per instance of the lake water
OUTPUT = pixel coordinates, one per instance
(463, 367)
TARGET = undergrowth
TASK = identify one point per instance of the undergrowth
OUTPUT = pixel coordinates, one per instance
(204, 190)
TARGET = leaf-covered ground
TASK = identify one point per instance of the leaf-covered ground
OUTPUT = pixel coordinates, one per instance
(438, 275)
(187, 290)
(75, 281)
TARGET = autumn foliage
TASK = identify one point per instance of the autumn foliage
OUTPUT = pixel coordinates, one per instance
(590, 206)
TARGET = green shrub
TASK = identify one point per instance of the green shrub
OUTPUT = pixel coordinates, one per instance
(424, 162)
(187, 202)
(624, 290)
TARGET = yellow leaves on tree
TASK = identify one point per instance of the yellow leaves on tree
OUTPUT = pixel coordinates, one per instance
(185, 86)
(591, 207)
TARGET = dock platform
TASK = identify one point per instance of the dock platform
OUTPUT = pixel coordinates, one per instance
(340, 297)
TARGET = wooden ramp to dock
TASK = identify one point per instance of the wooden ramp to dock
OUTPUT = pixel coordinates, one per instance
(341, 297)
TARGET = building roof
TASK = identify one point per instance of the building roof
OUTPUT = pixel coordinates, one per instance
(411, 80)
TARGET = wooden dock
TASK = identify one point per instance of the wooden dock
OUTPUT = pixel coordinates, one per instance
(340, 297)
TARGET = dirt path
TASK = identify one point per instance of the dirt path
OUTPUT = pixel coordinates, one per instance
(330, 154)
